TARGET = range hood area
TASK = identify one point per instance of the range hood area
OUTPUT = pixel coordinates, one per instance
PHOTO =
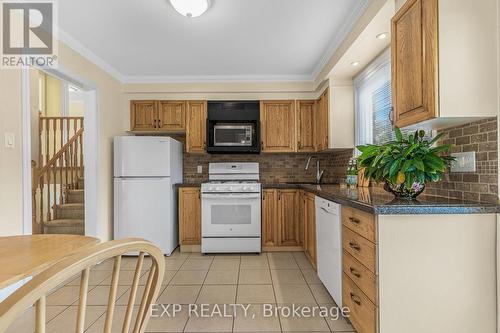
(233, 127)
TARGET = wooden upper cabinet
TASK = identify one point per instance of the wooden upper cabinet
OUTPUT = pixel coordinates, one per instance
(143, 115)
(414, 50)
(305, 125)
(321, 121)
(189, 216)
(288, 218)
(278, 126)
(172, 115)
(269, 217)
(196, 124)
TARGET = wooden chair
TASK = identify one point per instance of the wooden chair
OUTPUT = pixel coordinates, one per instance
(36, 290)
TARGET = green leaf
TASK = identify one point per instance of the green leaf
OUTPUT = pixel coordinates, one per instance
(442, 148)
(394, 168)
(399, 135)
(419, 164)
(407, 164)
(436, 138)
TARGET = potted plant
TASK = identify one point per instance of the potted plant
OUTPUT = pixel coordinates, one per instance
(406, 164)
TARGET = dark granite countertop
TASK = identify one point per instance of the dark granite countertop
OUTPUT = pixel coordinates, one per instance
(377, 201)
(188, 185)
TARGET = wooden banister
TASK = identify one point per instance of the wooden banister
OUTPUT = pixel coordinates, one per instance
(62, 151)
(61, 171)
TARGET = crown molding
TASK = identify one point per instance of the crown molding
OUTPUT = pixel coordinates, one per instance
(340, 37)
(217, 79)
(71, 42)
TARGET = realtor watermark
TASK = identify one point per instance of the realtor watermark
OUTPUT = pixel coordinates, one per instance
(247, 311)
(28, 34)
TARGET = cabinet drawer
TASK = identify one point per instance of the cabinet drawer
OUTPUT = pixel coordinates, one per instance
(359, 247)
(361, 276)
(361, 222)
(363, 314)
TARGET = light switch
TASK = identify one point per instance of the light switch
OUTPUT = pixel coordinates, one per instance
(200, 168)
(10, 140)
(465, 162)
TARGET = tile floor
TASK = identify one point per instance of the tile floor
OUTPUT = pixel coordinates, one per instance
(279, 279)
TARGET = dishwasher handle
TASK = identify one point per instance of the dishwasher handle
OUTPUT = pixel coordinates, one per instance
(328, 207)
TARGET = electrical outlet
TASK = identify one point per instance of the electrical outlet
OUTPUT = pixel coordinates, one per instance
(465, 162)
(200, 169)
(10, 140)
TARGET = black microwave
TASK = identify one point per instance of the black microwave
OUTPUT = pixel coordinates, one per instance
(233, 127)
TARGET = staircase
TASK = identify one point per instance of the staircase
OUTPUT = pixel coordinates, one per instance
(58, 186)
(69, 217)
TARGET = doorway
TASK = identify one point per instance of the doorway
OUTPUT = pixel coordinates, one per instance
(60, 145)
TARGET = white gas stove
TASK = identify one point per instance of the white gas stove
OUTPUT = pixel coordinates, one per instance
(231, 207)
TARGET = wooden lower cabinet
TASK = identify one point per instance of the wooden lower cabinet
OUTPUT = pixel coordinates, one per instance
(269, 217)
(363, 313)
(189, 216)
(288, 218)
(359, 282)
(308, 215)
(281, 220)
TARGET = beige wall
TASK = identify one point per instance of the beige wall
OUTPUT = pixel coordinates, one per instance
(11, 217)
(111, 119)
(53, 99)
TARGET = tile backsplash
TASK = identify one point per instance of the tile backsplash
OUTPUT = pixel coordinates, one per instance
(481, 137)
(274, 167)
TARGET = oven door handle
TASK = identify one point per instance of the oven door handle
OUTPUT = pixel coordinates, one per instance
(230, 196)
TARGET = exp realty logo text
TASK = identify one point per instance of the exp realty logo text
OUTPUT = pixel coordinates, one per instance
(28, 34)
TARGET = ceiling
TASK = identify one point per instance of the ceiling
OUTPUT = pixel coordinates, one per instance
(367, 46)
(244, 40)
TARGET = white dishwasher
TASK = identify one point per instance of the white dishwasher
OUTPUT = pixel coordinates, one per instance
(329, 247)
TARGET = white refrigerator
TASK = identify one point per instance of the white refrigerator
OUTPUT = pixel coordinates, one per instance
(146, 170)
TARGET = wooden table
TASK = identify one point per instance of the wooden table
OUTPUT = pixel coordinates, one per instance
(24, 256)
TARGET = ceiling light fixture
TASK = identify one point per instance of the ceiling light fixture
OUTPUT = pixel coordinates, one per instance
(382, 35)
(190, 8)
(355, 63)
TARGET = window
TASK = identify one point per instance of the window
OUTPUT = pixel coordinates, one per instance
(373, 102)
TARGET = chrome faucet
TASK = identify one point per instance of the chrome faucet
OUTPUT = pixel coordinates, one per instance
(319, 174)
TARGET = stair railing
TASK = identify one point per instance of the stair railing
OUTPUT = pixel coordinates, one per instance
(60, 173)
(53, 133)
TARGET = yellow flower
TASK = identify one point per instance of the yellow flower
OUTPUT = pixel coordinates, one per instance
(401, 177)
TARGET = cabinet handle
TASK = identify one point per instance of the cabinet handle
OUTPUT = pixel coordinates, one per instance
(355, 299)
(279, 195)
(391, 115)
(159, 123)
(300, 145)
(354, 246)
(354, 220)
(355, 272)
